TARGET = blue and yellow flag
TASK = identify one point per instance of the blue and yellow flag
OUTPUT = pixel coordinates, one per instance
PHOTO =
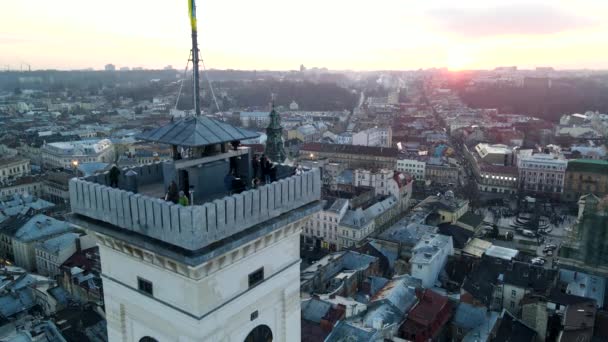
(192, 14)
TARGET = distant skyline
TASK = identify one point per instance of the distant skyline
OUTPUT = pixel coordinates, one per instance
(282, 34)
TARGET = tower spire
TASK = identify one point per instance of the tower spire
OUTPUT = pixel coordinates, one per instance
(274, 132)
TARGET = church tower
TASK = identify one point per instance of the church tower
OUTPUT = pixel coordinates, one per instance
(274, 132)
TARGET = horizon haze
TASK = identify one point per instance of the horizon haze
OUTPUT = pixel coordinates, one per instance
(281, 35)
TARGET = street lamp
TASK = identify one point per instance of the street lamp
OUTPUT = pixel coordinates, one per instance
(75, 166)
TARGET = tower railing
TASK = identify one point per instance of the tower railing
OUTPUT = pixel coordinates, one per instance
(189, 227)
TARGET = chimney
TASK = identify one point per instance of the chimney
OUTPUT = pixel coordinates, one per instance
(78, 244)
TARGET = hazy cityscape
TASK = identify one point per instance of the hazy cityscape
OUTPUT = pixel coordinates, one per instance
(335, 202)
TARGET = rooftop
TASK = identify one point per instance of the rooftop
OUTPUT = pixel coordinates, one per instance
(588, 165)
(12, 160)
(58, 243)
(345, 331)
(400, 292)
(196, 131)
(409, 233)
(80, 147)
(501, 252)
(476, 247)
(332, 264)
(314, 309)
(482, 331)
(445, 202)
(469, 316)
(136, 210)
(39, 227)
(350, 149)
(491, 271)
(484, 149)
(512, 329)
(427, 309)
(584, 285)
(471, 219)
(429, 246)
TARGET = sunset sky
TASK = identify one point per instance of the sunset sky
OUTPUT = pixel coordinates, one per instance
(282, 34)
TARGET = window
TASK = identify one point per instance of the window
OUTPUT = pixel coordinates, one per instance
(145, 286)
(513, 293)
(147, 339)
(256, 277)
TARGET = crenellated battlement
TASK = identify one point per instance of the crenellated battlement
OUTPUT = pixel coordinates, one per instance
(191, 227)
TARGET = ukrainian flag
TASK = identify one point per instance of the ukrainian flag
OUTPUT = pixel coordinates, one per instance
(192, 14)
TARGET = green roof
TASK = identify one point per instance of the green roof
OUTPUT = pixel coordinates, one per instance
(471, 219)
(588, 165)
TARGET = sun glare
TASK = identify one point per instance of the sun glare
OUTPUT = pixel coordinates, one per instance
(458, 59)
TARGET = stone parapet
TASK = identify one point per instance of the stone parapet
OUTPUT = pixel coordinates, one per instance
(192, 227)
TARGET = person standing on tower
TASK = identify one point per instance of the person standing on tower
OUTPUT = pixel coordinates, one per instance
(114, 173)
(255, 164)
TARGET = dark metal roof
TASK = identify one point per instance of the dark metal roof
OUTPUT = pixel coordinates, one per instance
(196, 131)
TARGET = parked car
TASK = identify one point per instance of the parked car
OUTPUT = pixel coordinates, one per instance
(538, 261)
(528, 233)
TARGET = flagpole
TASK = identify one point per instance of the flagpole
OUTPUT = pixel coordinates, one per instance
(195, 57)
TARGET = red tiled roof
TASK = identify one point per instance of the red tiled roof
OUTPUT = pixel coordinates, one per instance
(402, 181)
(79, 259)
(427, 309)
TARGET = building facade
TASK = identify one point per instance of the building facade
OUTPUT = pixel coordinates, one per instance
(416, 168)
(379, 137)
(25, 239)
(358, 224)
(12, 168)
(542, 173)
(495, 154)
(352, 156)
(55, 187)
(585, 176)
(50, 254)
(386, 182)
(322, 228)
(429, 256)
(28, 184)
(67, 154)
(498, 179)
(441, 172)
(254, 119)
